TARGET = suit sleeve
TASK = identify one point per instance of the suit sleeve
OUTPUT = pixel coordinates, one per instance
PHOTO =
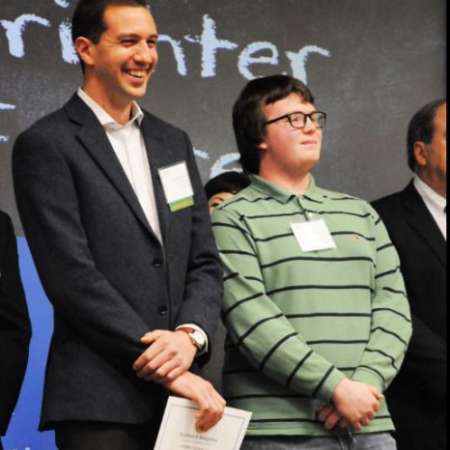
(81, 295)
(391, 319)
(426, 360)
(259, 328)
(204, 288)
(15, 328)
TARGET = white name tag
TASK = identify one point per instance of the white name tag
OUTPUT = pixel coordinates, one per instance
(177, 186)
(313, 235)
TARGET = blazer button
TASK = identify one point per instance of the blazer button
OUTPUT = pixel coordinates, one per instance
(157, 263)
(163, 310)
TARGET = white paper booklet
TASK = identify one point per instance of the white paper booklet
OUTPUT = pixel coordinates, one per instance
(178, 431)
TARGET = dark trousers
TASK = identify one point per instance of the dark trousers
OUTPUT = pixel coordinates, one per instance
(78, 435)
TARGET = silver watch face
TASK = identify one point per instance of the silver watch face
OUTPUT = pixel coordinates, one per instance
(198, 338)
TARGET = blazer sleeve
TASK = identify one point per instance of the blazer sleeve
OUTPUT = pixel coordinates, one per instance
(80, 293)
(204, 287)
(15, 328)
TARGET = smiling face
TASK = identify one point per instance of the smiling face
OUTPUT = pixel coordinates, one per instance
(287, 151)
(119, 66)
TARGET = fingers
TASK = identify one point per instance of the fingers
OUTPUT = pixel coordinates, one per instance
(167, 372)
(147, 356)
(168, 351)
(152, 336)
(332, 420)
(366, 419)
(343, 423)
(324, 412)
(376, 393)
(212, 407)
(331, 417)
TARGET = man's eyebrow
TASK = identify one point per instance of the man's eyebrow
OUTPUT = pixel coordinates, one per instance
(137, 36)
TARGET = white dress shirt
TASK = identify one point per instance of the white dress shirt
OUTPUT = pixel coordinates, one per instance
(128, 144)
(435, 203)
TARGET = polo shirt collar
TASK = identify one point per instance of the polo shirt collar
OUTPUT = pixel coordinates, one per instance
(282, 195)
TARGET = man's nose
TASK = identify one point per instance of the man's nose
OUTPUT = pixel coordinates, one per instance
(310, 125)
(144, 53)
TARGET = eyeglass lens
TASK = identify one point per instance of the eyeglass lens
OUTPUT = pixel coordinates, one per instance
(298, 119)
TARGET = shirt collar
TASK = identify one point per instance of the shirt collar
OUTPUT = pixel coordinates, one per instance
(429, 195)
(104, 118)
(281, 194)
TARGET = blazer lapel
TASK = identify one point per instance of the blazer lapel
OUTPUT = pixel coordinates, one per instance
(159, 156)
(421, 220)
(94, 139)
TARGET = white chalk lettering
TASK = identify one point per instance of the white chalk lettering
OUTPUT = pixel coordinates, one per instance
(62, 3)
(178, 53)
(67, 49)
(14, 32)
(201, 154)
(260, 52)
(221, 164)
(210, 45)
(5, 107)
(299, 60)
(246, 57)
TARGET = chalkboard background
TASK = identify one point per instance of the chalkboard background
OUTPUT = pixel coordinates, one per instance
(370, 64)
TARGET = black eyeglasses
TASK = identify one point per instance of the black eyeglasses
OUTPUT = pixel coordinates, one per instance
(298, 119)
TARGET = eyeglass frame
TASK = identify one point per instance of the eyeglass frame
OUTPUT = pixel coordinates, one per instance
(305, 115)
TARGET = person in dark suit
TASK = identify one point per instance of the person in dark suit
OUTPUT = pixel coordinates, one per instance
(115, 215)
(15, 328)
(416, 221)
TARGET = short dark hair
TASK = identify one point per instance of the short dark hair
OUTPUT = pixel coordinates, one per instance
(248, 115)
(88, 17)
(421, 128)
(230, 181)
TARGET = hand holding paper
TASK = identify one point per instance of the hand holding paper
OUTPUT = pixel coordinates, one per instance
(178, 431)
(209, 402)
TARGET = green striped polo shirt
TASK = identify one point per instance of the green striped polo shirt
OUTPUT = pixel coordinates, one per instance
(299, 322)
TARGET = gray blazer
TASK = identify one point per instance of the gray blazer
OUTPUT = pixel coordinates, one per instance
(102, 267)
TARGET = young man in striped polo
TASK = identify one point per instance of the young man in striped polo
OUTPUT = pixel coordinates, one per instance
(315, 306)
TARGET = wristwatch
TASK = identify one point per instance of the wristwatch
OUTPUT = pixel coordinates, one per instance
(197, 338)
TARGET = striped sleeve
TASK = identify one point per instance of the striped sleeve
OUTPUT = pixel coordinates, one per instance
(257, 326)
(391, 320)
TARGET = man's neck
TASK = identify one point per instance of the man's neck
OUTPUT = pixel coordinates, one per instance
(298, 185)
(439, 186)
(119, 111)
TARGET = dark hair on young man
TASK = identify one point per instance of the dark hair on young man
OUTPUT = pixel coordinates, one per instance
(421, 128)
(88, 17)
(231, 181)
(248, 115)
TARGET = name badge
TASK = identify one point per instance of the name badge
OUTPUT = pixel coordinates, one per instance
(177, 186)
(313, 235)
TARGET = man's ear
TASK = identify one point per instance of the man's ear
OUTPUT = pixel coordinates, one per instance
(84, 48)
(420, 153)
(262, 145)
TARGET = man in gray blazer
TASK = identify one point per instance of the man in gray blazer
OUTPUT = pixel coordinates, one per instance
(114, 212)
